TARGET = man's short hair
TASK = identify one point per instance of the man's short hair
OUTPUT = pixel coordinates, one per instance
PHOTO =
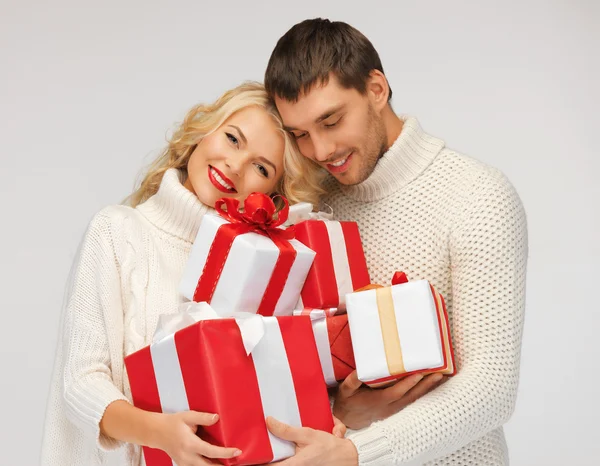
(314, 48)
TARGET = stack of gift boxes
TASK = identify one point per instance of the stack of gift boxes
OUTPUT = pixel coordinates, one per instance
(273, 315)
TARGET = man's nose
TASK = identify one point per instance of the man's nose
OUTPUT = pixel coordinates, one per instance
(323, 148)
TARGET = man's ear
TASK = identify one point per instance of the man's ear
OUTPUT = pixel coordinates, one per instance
(378, 90)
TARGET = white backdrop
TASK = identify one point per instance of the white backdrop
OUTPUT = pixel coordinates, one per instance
(88, 91)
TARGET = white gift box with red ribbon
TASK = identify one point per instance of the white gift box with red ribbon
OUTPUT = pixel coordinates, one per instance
(243, 263)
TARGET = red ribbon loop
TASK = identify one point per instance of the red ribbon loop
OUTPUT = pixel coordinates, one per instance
(259, 214)
(399, 278)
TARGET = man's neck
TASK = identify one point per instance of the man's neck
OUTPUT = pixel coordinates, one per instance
(393, 125)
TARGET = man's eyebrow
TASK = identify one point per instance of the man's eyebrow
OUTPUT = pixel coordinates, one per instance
(240, 132)
(326, 114)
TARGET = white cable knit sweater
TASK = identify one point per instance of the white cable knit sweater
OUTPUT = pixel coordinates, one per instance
(127, 273)
(441, 216)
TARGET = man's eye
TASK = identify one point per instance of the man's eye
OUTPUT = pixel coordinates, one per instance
(232, 138)
(331, 125)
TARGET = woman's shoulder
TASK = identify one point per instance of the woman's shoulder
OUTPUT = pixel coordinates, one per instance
(116, 223)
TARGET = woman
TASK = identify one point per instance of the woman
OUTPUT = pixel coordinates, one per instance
(128, 270)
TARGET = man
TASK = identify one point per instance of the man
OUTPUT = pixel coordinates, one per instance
(424, 209)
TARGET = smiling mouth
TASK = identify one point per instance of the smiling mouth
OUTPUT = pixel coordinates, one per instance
(340, 165)
(220, 181)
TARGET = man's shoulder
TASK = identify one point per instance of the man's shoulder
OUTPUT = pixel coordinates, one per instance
(469, 173)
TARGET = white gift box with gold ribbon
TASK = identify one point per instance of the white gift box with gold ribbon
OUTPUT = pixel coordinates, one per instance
(399, 330)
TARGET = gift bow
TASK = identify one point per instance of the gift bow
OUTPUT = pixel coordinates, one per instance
(316, 314)
(259, 215)
(303, 211)
(251, 326)
(398, 279)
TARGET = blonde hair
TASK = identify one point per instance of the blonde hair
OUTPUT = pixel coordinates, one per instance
(301, 180)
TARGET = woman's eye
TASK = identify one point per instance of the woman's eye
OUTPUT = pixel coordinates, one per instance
(263, 171)
(232, 138)
(298, 136)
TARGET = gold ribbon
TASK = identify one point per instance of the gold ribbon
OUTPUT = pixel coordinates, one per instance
(389, 330)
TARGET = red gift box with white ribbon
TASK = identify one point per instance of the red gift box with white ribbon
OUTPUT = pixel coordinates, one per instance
(334, 343)
(339, 266)
(244, 369)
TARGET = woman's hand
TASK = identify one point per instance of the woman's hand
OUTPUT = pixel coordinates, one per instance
(176, 435)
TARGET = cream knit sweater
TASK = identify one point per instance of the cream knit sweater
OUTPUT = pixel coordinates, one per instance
(127, 273)
(441, 216)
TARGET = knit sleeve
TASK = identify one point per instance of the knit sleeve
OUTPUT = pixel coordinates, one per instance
(488, 249)
(93, 319)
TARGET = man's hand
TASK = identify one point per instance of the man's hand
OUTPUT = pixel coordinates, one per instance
(314, 447)
(357, 405)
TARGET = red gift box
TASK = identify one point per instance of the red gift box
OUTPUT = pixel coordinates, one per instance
(334, 343)
(205, 367)
(339, 266)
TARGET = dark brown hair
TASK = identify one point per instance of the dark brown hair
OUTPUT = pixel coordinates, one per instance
(314, 48)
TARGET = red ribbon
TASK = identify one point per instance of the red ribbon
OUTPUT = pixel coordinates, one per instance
(259, 215)
(399, 278)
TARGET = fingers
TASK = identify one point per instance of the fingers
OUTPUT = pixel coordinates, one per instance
(197, 418)
(401, 388)
(349, 386)
(213, 451)
(298, 435)
(339, 428)
(423, 387)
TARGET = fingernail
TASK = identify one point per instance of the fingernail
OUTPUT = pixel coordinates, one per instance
(237, 453)
(418, 378)
(437, 377)
(215, 417)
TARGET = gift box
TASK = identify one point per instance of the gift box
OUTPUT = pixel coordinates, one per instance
(244, 261)
(399, 330)
(334, 343)
(339, 266)
(244, 369)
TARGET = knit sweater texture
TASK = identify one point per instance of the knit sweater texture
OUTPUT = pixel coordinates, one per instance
(439, 215)
(126, 274)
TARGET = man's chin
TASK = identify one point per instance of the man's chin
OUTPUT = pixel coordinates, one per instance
(348, 178)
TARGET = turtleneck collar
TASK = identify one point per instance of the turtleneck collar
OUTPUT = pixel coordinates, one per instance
(174, 208)
(404, 161)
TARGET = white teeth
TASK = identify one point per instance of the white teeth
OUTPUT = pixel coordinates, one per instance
(340, 163)
(220, 180)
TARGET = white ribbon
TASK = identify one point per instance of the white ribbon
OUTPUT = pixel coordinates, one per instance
(276, 384)
(251, 326)
(319, 326)
(304, 211)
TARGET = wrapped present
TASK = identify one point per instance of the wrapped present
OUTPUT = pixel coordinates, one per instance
(399, 330)
(244, 368)
(332, 335)
(339, 266)
(244, 261)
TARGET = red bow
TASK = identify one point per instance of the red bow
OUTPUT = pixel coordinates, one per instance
(259, 214)
(399, 278)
